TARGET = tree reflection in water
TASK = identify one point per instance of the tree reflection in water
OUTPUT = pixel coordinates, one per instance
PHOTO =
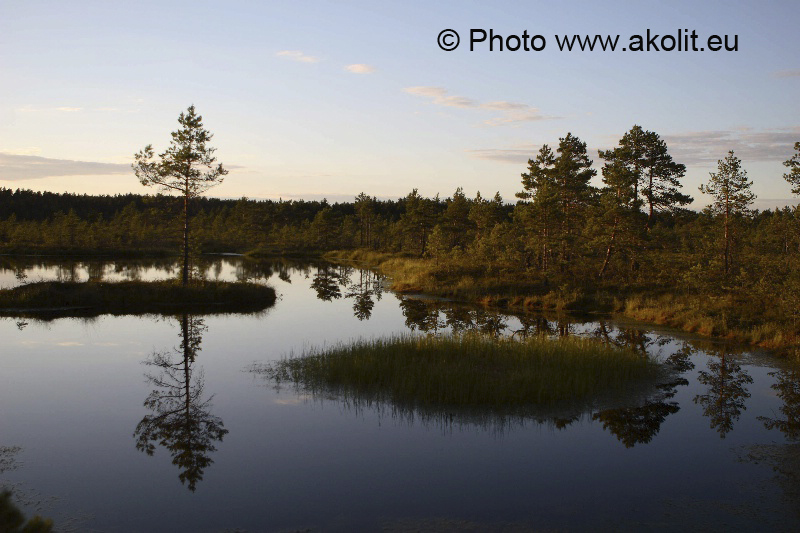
(431, 316)
(365, 292)
(458, 318)
(181, 420)
(638, 425)
(328, 281)
(283, 273)
(421, 315)
(535, 325)
(638, 340)
(787, 387)
(727, 392)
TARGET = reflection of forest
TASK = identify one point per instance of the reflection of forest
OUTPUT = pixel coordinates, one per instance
(328, 282)
(724, 400)
(787, 388)
(636, 425)
(431, 316)
(332, 282)
(365, 290)
(638, 340)
(785, 459)
(180, 419)
(26, 268)
(639, 424)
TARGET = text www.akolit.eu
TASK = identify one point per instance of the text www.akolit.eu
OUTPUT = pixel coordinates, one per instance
(683, 40)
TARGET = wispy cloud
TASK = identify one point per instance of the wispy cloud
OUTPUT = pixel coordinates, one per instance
(297, 55)
(360, 68)
(509, 112)
(76, 109)
(701, 148)
(791, 73)
(438, 95)
(708, 147)
(16, 167)
(505, 155)
(27, 150)
(519, 154)
(516, 114)
(60, 109)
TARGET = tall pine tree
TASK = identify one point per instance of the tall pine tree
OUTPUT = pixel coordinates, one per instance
(187, 167)
(658, 176)
(732, 197)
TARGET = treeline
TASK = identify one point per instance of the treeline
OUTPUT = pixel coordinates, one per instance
(634, 229)
(44, 221)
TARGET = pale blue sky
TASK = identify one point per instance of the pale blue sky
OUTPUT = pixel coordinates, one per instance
(86, 84)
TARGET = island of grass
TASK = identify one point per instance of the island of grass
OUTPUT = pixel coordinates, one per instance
(51, 299)
(465, 372)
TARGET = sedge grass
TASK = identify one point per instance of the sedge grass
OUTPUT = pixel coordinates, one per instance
(465, 371)
(132, 297)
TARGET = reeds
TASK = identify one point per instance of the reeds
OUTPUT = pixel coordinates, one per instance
(465, 371)
(131, 297)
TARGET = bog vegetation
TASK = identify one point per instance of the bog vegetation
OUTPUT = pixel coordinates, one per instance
(51, 298)
(465, 371)
(628, 245)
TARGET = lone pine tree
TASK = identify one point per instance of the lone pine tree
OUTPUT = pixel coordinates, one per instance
(188, 166)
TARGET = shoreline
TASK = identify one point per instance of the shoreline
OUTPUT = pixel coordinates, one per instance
(706, 317)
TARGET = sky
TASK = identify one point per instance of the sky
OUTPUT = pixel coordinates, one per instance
(313, 99)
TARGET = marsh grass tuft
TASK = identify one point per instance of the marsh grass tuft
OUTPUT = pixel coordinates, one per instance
(465, 371)
(132, 297)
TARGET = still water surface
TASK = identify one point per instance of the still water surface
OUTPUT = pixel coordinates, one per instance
(151, 423)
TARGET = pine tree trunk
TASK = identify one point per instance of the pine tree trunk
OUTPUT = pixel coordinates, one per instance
(610, 248)
(727, 246)
(185, 277)
(727, 235)
(545, 244)
(544, 248)
(650, 202)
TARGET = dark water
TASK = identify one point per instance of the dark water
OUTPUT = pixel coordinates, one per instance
(149, 423)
